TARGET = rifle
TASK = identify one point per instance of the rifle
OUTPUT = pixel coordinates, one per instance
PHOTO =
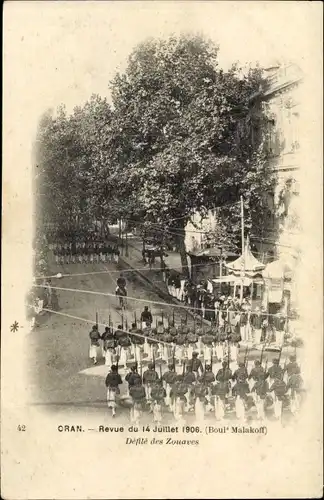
(173, 357)
(117, 362)
(162, 317)
(262, 353)
(153, 360)
(173, 322)
(246, 355)
(135, 319)
(97, 320)
(160, 371)
(136, 364)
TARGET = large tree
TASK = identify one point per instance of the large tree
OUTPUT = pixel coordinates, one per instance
(69, 169)
(179, 142)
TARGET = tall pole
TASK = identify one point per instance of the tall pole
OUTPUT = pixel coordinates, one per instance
(126, 244)
(243, 249)
(221, 270)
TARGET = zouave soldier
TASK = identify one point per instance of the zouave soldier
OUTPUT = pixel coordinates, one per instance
(113, 380)
(94, 343)
(158, 394)
(150, 376)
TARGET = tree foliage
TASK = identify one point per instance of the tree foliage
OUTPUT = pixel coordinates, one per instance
(176, 140)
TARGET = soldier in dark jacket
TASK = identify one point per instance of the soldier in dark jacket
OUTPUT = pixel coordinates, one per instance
(150, 376)
(195, 364)
(224, 374)
(257, 371)
(241, 388)
(241, 374)
(292, 367)
(275, 371)
(113, 380)
(133, 377)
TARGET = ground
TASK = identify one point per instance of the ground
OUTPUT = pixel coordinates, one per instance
(62, 375)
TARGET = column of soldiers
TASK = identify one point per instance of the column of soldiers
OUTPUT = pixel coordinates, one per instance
(84, 252)
(203, 376)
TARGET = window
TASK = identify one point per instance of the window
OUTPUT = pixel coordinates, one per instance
(271, 137)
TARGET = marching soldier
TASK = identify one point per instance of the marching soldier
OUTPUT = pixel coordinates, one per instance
(109, 345)
(292, 367)
(208, 379)
(240, 391)
(195, 364)
(178, 397)
(192, 340)
(280, 389)
(169, 378)
(158, 394)
(259, 391)
(137, 393)
(224, 374)
(146, 317)
(190, 379)
(256, 322)
(113, 380)
(294, 389)
(132, 378)
(219, 392)
(200, 392)
(275, 371)
(105, 336)
(207, 349)
(241, 374)
(256, 373)
(150, 376)
(94, 343)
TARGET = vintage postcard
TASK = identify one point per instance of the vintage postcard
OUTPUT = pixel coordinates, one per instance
(162, 267)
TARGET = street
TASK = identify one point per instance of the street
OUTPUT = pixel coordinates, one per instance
(59, 364)
(60, 370)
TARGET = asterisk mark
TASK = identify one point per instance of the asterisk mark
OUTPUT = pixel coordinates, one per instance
(14, 327)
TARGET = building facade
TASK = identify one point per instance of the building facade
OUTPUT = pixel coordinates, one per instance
(281, 102)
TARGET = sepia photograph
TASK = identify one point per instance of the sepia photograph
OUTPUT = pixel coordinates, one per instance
(162, 250)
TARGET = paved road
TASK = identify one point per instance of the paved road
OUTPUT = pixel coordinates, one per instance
(60, 369)
(61, 373)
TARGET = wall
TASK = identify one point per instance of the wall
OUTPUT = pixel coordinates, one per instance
(195, 240)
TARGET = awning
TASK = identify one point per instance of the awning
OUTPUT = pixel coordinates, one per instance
(238, 280)
(247, 263)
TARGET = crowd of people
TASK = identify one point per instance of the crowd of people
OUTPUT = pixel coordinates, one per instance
(228, 314)
(204, 375)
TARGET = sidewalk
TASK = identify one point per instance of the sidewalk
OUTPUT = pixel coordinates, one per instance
(153, 278)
